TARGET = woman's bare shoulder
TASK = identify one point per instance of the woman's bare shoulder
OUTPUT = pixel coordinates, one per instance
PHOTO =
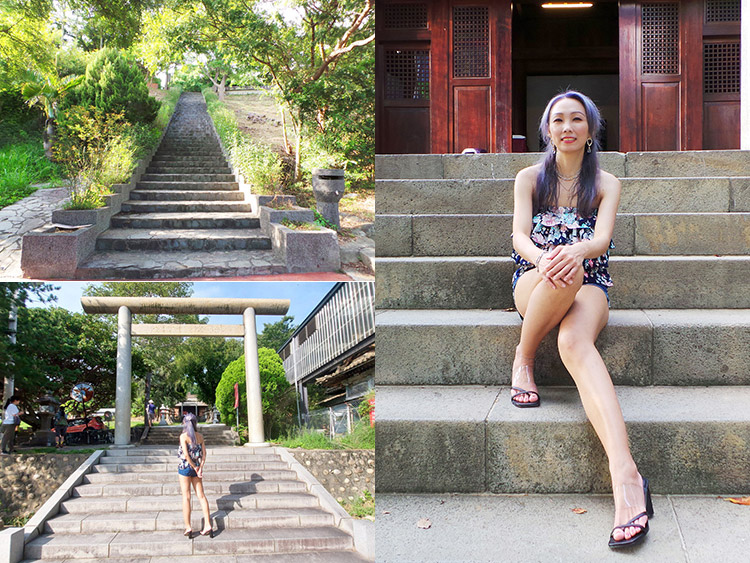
(529, 173)
(608, 181)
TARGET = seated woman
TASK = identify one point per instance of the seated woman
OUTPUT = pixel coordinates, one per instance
(563, 218)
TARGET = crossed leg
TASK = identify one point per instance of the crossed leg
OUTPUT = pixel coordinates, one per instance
(578, 332)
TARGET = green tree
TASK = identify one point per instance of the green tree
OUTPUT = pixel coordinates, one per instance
(202, 361)
(26, 41)
(274, 389)
(115, 84)
(274, 335)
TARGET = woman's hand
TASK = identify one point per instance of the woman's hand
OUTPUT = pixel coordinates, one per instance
(560, 265)
(199, 471)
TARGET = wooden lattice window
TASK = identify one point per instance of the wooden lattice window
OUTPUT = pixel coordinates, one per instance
(661, 38)
(405, 16)
(471, 41)
(407, 74)
(721, 68)
(722, 11)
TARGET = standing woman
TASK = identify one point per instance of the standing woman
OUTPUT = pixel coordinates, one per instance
(61, 426)
(11, 419)
(563, 218)
(192, 454)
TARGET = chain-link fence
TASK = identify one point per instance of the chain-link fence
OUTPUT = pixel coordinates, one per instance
(333, 421)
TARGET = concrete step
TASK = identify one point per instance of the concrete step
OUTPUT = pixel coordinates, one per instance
(110, 490)
(306, 557)
(183, 239)
(639, 195)
(176, 194)
(646, 234)
(686, 440)
(164, 264)
(156, 458)
(640, 348)
(167, 476)
(193, 206)
(641, 282)
(167, 168)
(210, 220)
(507, 165)
(196, 186)
(228, 501)
(167, 177)
(168, 467)
(213, 158)
(171, 543)
(163, 520)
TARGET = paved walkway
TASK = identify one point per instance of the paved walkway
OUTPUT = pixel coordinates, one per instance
(18, 219)
(543, 529)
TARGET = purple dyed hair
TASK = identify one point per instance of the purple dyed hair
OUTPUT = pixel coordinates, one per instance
(190, 425)
(546, 192)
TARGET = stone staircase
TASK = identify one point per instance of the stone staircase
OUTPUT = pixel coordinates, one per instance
(677, 343)
(130, 509)
(186, 217)
(214, 434)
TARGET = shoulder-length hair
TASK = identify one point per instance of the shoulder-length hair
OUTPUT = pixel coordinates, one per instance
(546, 192)
(190, 425)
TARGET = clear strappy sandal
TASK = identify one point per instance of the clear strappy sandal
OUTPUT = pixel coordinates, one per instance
(522, 375)
(629, 495)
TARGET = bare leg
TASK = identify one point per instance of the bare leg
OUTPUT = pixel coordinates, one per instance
(578, 331)
(198, 484)
(542, 308)
(185, 487)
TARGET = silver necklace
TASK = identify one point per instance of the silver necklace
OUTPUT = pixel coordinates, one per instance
(568, 178)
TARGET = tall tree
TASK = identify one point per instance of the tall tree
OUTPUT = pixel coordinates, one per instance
(26, 41)
(274, 335)
(202, 361)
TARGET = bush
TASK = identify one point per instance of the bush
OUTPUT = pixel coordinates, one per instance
(273, 383)
(167, 107)
(115, 84)
(190, 78)
(258, 163)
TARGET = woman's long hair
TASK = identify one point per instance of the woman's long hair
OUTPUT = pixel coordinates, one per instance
(190, 425)
(10, 400)
(546, 192)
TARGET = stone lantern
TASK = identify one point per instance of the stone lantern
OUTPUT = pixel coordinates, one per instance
(328, 187)
(45, 436)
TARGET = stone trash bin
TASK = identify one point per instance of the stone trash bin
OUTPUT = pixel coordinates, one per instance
(328, 187)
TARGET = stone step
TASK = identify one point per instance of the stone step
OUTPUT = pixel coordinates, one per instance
(640, 348)
(204, 153)
(111, 490)
(687, 440)
(305, 557)
(162, 520)
(238, 452)
(168, 168)
(183, 239)
(646, 234)
(172, 457)
(187, 187)
(507, 165)
(210, 466)
(639, 195)
(484, 282)
(167, 476)
(213, 158)
(166, 177)
(193, 206)
(99, 505)
(171, 543)
(217, 220)
(175, 194)
(156, 264)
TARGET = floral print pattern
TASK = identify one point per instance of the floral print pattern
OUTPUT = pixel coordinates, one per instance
(562, 225)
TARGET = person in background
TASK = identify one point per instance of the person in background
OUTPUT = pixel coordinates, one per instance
(151, 410)
(61, 426)
(11, 420)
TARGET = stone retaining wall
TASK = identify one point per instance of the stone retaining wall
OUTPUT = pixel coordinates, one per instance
(346, 474)
(27, 481)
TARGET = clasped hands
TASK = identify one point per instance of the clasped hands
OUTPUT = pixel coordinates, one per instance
(559, 266)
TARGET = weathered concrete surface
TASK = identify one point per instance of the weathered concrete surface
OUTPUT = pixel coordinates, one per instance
(740, 194)
(306, 251)
(693, 233)
(445, 441)
(507, 165)
(184, 305)
(544, 529)
(409, 166)
(393, 235)
(687, 163)
(236, 331)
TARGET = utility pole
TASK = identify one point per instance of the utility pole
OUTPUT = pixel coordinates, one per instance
(9, 380)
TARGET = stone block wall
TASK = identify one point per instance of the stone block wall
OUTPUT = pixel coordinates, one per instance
(27, 481)
(346, 474)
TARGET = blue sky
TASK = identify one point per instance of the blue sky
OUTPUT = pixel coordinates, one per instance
(304, 296)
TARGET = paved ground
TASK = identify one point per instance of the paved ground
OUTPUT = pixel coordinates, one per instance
(543, 529)
(20, 218)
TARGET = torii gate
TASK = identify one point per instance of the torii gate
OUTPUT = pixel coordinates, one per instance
(126, 306)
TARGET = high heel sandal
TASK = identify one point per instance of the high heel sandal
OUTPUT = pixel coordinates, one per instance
(523, 375)
(210, 533)
(188, 534)
(649, 512)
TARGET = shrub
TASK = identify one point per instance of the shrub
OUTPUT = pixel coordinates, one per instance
(191, 79)
(273, 383)
(21, 165)
(115, 84)
(167, 107)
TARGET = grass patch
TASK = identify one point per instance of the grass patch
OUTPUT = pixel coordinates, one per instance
(168, 103)
(361, 438)
(300, 225)
(21, 165)
(17, 521)
(362, 507)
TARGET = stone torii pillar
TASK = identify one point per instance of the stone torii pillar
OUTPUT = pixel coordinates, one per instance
(126, 306)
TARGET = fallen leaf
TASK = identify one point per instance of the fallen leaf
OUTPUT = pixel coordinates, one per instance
(424, 523)
(742, 500)
(386, 512)
(579, 510)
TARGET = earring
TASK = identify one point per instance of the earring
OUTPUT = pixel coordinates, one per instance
(554, 149)
(588, 144)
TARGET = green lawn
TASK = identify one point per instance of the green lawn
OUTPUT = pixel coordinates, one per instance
(21, 165)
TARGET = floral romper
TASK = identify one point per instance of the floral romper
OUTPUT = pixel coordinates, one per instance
(562, 225)
(196, 454)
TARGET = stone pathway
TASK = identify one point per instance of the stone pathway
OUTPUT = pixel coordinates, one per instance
(18, 219)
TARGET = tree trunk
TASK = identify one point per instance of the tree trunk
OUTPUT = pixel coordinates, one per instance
(49, 139)
(222, 87)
